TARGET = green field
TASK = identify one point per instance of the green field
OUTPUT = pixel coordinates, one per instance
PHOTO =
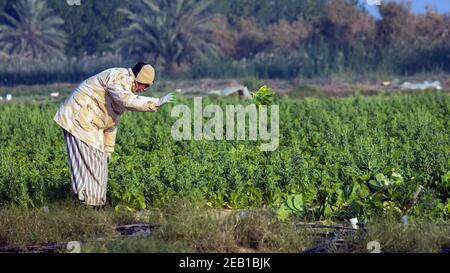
(337, 158)
(355, 157)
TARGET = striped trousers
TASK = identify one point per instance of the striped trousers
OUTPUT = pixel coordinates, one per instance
(88, 171)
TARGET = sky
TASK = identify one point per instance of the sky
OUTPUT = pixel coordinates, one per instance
(418, 6)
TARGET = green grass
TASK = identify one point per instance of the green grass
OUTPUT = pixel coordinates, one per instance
(186, 226)
(420, 235)
(62, 222)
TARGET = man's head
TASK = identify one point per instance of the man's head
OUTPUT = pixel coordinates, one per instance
(144, 74)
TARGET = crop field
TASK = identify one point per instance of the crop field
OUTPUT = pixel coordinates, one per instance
(337, 159)
(281, 127)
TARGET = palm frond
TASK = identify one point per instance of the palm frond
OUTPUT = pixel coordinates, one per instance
(36, 32)
(167, 29)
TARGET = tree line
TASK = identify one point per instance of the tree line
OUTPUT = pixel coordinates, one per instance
(214, 38)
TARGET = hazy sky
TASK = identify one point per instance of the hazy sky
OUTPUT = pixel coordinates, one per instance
(417, 5)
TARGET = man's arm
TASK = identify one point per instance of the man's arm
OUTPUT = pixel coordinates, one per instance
(131, 101)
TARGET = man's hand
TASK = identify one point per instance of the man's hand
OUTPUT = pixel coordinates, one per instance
(169, 98)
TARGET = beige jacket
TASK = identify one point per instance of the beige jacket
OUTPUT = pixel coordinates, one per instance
(91, 113)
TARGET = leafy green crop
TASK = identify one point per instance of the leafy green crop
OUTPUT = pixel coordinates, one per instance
(358, 156)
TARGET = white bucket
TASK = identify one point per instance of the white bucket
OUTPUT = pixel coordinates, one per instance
(354, 222)
(9, 97)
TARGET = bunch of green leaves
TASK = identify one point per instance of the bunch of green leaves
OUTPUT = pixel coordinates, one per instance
(372, 195)
(292, 205)
(263, 96)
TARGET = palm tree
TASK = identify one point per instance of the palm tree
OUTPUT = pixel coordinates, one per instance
(168, 31)
(34, 32)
